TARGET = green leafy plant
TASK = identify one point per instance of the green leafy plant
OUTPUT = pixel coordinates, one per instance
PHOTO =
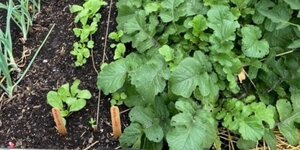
(120, 48)
(19, 13)
(68, 99)
(89, 17)
(92, 123)
(181, 77)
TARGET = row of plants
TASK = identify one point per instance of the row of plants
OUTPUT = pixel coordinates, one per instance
(195, 67)
(22, 13)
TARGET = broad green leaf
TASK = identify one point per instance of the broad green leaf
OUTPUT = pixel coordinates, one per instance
(295, 44)
(145, 116)
(141, 33)
(154, 133)
(199, 24)
(215, 2)
(278, 14)
(294, 4)
(188, 132)
(132, 136)
(252, 46)
(284, 109)
(223, 22)
(189, 74)
(167, 52)
(84, 94)
(112, 76)
(171, 10)
(264, 113)
(270, 139)
(185, 77)
(195, 7)
(151, 7)
(288, 118)
(246, 144)
(155, 74)
(251, 128)
(142, 115)
(295, 98)
(78, 105)
(54, 100)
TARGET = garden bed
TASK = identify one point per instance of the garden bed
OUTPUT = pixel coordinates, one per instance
(26, 118)
(195, 74)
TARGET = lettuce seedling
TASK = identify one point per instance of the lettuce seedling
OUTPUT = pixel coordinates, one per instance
(68, 99)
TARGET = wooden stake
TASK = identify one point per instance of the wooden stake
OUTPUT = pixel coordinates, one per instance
(60, 126)
(116, 122)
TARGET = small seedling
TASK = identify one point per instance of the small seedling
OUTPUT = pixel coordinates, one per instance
(93, 124)
(68, 99)
(118, 98)
(120, 48)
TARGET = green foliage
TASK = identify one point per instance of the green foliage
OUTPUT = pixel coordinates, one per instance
(92, 123)
(181, 77)
(89, 18)
(68, 99)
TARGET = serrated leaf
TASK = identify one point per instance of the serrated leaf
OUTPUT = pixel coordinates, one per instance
(151, 7)
(288, 118)
(189, 74)
(112, 76)
(199, 24)
(141, 32)
(223, 22)
(78, 105)
(155, 74)
(252, 46)
(171, 10)
(132, 136)
(278, 14)
(154, 133)
(167, 52)
(188, 132)
(251, 128)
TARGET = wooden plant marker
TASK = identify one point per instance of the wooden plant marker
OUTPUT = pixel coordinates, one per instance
(60, 126)
(116, 122)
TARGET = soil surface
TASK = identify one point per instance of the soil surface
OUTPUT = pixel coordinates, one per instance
(26, 119)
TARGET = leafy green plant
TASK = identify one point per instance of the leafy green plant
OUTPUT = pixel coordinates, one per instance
(19, 13)
(89, 18)
(68, 99)
(181, 77)
(120, 48)
(92, 123)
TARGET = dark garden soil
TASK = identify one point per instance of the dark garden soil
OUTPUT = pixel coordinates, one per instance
(26, 119)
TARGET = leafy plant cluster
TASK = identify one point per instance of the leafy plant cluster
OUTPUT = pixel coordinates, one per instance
(22, 13)
(68, 99)
(181, 78)
(88, 17)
